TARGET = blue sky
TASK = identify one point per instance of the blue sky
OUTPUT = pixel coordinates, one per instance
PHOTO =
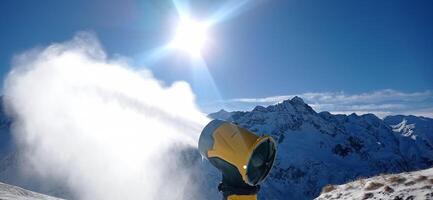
(366, 56)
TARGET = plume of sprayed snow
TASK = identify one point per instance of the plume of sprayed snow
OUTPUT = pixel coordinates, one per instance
(103, 129)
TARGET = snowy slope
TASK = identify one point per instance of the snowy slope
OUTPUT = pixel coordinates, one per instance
(416, 185)
(9, 192)
(315, 149)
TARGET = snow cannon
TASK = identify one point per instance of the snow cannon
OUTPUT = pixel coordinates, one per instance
(243, 158)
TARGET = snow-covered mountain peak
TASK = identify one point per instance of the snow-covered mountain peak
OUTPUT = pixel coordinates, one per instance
(223, 113)
(405, 129)
(297, 100)
(259, 109)
(294, 106)
(421, 127)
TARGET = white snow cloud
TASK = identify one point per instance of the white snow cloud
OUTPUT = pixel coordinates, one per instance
(381, 102)
(103, 129)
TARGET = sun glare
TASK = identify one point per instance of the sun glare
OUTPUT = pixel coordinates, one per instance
(191, 36)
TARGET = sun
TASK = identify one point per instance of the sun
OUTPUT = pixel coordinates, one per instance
(190, 36)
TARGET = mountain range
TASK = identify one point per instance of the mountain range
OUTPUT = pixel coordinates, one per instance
(314, 149)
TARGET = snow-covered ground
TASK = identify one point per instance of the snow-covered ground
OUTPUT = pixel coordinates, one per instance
(10, 192)
(416, 185)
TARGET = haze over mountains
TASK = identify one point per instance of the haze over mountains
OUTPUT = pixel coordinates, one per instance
(314, 149)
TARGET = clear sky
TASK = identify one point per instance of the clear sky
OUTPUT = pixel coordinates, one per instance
(339, 55)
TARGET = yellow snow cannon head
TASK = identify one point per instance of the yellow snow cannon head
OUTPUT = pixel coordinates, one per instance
(241, 156)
